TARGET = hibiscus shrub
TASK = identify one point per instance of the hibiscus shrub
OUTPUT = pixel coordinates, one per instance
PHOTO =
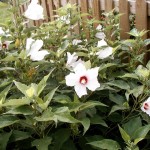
(62, 91)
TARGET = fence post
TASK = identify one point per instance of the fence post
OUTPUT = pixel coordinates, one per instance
(108, 5)
(84, 9)
(141, 16)
(124, 19)
(77, 27)
(96, 10)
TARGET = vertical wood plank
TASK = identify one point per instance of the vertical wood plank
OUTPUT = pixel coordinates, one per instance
(141, 16)
(77, 27)
(44, 5)
(124, 19)
(73, 1)
(84, 9)
(51, 9)
(108, 5)
(96, 10)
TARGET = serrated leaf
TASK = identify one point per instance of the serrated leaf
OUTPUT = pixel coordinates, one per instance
(19, 135)
(120, 84)
(17, 102)
(22, 87)
(117, 107)
(4, 138)
(3, 94)
(129, 75)
(124, 135)
(132, 125)
(42, 144)
(7, 120)
(86, 124)
(96, 119)
(61, 136)
(141, 132)
(104, 66)
(6, 68)
(42, 83)
(24, 110)
(47, 99)
(106, 144)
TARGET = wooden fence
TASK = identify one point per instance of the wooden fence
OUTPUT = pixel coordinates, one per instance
(141, 9)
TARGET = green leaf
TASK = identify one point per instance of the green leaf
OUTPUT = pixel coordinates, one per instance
(4, 138)
(86, 124)
(129, 75)
(63, 99)
(22, 87)
(48, 99)
(24, 110)
(19, 135)
(6, 68)
(140, 133)
(90, 104)
(42, 83)
(132, 125)
(117, 107)
(3, 94)
(124, 135)
(120, 84)
(96, 119)
(7, 120)
(60, 137)
(61, 114)
(148, 65)
(42, 144)
(17, 102)
(106, 144)
(116, 98)
(104, 66)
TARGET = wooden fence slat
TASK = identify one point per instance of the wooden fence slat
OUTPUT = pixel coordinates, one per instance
(73, 1)
(44, 5)
(124, 19)
(96, 10)
(84, 9)
(51, 9)
(108, 5)
(141, 16)
(76, 28)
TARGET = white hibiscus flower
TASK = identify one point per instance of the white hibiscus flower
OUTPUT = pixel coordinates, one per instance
(76, 42)
(105, 51)
(72, 61)
(146, 106)
(34, 11)
(33, 49)
(82, 79)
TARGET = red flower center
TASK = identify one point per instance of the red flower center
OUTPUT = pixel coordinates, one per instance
(83, 80)
(4, 45)
(146, 106)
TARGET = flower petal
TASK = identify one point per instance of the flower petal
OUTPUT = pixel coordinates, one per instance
(101, 43)
(80, 69)
(36, 46)
(93, 84)
(34, 11)
(100, 35)
(71, 79)
(38, 55)
(92, 73)
(29, 42)
(80, 90)
(104, 53)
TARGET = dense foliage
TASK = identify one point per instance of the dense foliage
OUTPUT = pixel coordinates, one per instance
(43, 99)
